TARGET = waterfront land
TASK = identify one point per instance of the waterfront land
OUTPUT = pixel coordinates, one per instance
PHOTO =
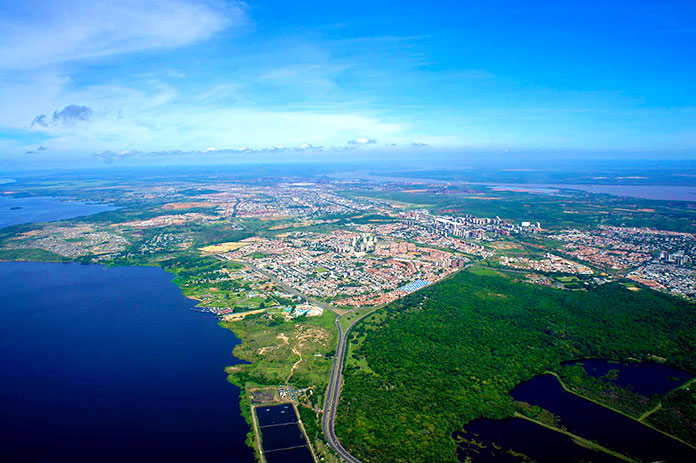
(467, 291)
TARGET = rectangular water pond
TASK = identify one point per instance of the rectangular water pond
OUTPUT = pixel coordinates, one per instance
(282, 438)
(276, 414)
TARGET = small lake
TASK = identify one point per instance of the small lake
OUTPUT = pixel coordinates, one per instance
(520, 435)
(595, 422)
(644, 378)
(16, 211)
(111, 365)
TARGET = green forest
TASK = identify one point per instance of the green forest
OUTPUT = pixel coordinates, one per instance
(422, 367)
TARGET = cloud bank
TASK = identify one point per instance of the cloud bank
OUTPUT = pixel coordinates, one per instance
(109, 156)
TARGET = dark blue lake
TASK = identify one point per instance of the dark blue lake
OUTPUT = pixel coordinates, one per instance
(644, 378)
(109, 364)
(595, 422)
(15, 211)
(522, 436)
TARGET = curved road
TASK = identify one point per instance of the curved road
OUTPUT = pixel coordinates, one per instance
(334, 388)
(332, 394)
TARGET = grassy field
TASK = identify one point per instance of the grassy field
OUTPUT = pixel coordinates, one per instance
(297, 352)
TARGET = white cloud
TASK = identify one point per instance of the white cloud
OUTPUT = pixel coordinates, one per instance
(109, 156)
(131, 120)
(362, 141)
(244, 154)
(45, 32)
(67, 116)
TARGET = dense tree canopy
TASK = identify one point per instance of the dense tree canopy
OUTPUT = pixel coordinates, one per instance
(423, 366)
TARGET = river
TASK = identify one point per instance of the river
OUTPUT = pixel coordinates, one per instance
(654, 192)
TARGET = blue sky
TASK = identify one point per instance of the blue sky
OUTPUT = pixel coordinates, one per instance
(86, 82)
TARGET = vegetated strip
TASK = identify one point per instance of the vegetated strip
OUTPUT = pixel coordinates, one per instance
(587, 443)
(659, 405)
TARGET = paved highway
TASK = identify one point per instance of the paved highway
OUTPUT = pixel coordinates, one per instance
(334, 389)
(333, 392)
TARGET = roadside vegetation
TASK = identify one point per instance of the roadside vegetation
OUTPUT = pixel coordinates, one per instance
(281, 351)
